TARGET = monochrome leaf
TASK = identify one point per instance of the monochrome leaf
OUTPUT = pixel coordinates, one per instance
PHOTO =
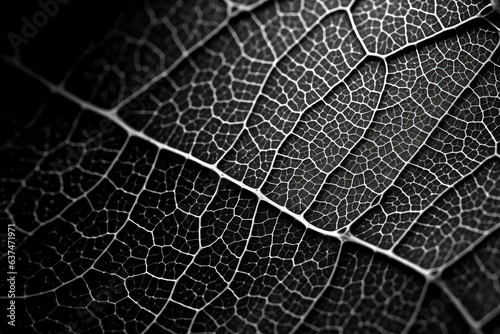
(258, 166)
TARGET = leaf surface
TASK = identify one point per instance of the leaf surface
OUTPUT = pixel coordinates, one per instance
(258, 167)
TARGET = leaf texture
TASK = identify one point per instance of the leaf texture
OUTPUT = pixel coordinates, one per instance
(257, 167)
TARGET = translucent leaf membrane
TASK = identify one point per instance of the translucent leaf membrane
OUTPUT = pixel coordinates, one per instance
(258, 167)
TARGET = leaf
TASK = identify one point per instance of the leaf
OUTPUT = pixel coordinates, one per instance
(254, 166)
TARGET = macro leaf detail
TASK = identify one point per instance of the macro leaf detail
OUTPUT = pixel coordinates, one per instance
(258, 166)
